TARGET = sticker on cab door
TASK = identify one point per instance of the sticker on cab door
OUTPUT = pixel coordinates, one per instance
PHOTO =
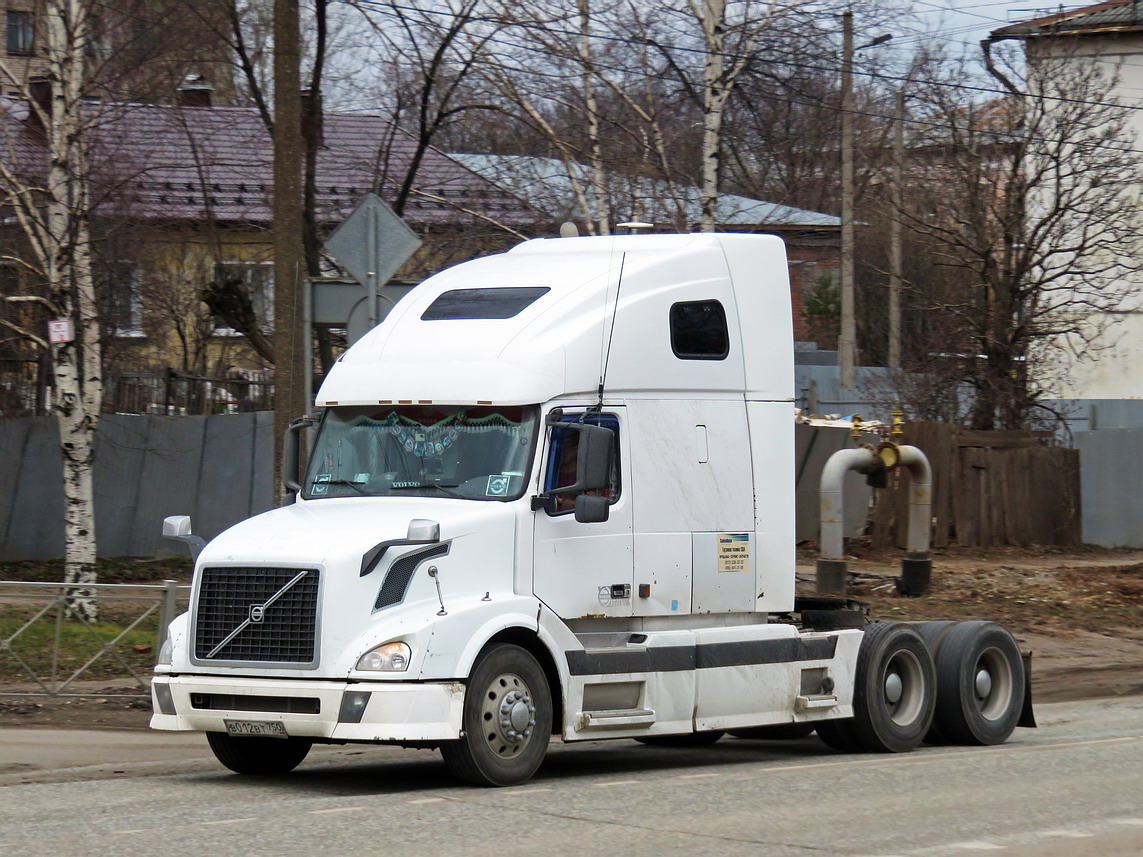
(733, 552)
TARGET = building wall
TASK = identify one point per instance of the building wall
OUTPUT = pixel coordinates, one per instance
(19, 67)
(1113, 369)
(807, 264)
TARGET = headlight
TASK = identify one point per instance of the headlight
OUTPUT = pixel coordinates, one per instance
(390, 657)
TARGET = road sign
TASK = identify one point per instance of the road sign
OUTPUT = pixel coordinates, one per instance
(372, 244)
(61, 330)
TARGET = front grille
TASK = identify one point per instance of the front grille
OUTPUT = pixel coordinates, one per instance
(256, 615)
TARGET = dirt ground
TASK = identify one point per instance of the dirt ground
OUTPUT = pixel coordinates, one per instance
(1080, 612)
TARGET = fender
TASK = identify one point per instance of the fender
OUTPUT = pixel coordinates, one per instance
(454, 645)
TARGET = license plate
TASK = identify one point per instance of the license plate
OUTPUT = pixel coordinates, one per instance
(256, 728)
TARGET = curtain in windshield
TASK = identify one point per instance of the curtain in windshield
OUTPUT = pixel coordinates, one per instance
(477, 453)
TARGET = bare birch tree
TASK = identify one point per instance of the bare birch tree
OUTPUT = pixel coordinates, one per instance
(1034, 198)
(54, 214)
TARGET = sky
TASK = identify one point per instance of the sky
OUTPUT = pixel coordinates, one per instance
(969, 21)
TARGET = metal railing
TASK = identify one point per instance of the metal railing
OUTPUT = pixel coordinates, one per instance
(25, 391)
(46, 651)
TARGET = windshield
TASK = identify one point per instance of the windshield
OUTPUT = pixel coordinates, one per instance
(474, 453)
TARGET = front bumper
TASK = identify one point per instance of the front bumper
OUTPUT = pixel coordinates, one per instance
(392, 712)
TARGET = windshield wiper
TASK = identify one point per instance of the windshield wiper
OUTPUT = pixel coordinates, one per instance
(440, 486)
(348, 482)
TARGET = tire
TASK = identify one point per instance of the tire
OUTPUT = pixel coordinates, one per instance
(690, 739)
(980, 684)
(775, 732)
(258, 756)
(507, 720)
(839, 735)
(894, 692)
(934, 633)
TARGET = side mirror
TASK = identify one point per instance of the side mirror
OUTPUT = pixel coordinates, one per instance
(291, 454)
(592, 509)
(593, 467)
(177, 528)
(423, 531)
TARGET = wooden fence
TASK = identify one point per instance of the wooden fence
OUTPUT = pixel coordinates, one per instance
(989, 488)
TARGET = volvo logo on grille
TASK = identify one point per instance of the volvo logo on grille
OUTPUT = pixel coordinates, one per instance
(257, 613)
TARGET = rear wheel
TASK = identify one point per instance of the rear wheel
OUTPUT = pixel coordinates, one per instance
(507, 720)
(980, 683)
(259, 756)
(934, 633)
(894, 689)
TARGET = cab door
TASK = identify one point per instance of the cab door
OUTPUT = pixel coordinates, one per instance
(584, 569)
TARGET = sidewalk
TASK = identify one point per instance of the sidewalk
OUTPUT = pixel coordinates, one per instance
(28, 750)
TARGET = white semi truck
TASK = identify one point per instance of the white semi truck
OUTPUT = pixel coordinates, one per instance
(552, 494)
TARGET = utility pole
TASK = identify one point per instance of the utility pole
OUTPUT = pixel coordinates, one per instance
(896, 256)
(291, 399)
(847, 337)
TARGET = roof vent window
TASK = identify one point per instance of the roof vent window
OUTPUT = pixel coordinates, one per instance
(483, 303)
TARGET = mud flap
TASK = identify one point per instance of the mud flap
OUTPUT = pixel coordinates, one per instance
(1027, 717)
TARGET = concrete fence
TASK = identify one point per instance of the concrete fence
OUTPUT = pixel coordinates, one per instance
(219, 470)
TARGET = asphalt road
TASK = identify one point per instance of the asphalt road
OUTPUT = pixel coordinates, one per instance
(1073, 787)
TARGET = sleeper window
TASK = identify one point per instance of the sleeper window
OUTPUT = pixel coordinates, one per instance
(698, 331)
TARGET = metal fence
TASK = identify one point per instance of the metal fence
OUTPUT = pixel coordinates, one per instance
(44, 651)
(25, 391)
(174, 393)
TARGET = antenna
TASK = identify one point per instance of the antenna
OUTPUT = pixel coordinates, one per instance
(611, 332)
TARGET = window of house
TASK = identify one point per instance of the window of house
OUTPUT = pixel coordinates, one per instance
(20, 33)
(698, 331)
(256, 281)
(563, 456)
(123, 302)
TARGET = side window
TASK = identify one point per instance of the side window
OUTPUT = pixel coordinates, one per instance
(563, 456)
(698, 331)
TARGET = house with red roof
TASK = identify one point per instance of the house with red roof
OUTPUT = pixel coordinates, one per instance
(182, 196)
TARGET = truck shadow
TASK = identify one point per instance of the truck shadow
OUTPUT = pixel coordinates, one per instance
(358, 772)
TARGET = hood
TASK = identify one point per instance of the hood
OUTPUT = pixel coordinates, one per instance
(396, 599)
(332, 531)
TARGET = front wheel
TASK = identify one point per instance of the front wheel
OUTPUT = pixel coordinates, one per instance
(507, 720)
(258, 756)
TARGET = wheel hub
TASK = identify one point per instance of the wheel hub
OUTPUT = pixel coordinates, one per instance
(515, 717)
(983, 684)
(894, 688)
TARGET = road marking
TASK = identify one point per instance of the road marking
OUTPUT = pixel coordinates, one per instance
(137, 830)
(615, 783)
(1067, 834)
(427, 800)
(230, 821)
(695, 776)
(335, 809)
(1134, 822)
(976, 845)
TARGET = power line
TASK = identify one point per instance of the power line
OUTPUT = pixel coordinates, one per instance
(380, 6)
